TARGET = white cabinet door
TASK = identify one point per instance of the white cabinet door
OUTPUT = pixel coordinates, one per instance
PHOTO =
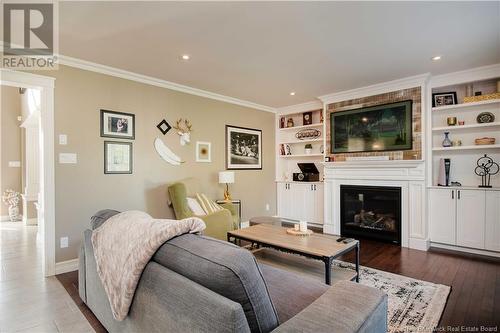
(442, 215)
(471, 218)
(299, 195)
(319, 204)
(309, 202)
(284, 200)
(492, 227)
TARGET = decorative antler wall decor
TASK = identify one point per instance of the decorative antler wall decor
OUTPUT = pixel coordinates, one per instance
(486, 168)
(184, 129)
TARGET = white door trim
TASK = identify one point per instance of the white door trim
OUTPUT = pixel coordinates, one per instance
(47, 177)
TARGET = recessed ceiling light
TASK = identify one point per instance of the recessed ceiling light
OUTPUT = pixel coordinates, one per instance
(292, 93)
(436, 58)
(185, 57)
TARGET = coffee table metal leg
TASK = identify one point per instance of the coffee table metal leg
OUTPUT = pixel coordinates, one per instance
(328, 270)
(357, 262)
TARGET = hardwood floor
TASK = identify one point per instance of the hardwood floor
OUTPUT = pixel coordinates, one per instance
(474, 300)
(29, 302)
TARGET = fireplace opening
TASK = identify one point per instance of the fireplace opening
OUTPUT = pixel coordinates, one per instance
(371, 212)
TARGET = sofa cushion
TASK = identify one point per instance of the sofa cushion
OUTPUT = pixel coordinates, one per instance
(225, 269)
(100, 217)
(290, 292)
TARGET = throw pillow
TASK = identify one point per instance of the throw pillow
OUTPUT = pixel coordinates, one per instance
(195, 207)
(206, 204)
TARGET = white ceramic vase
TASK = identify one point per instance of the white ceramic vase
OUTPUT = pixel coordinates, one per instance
(14, 213)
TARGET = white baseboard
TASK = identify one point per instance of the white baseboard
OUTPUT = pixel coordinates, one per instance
(466, 250)
(32, 221)
(419, 244)
(66, 266)
(6, 218)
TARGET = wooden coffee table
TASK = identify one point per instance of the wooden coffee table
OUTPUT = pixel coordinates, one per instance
(316, 246)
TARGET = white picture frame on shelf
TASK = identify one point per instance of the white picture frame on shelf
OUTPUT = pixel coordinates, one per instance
(203, 152)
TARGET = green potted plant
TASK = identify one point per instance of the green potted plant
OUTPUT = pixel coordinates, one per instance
(308, 148)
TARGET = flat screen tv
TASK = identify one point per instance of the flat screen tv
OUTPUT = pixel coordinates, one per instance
(376, 128)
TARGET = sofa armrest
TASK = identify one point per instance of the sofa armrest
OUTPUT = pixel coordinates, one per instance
(218, 224)
(345, 307)
(234, 213)
(81, 274)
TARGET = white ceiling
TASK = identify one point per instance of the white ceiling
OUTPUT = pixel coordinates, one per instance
(261, 51)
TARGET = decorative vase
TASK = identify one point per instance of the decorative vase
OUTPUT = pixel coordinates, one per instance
(447, 142)
(308, 150)
(14, 213)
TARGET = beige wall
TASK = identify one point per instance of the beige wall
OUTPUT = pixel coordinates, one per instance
(10, 138)
(83, 189)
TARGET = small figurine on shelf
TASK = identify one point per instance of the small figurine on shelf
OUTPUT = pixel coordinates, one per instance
(282, 122)
(447, 142)
(289, 122)
(486, 168)
(288, 150)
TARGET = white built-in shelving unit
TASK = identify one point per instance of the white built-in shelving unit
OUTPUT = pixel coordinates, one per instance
(286, 165)
(463, 157)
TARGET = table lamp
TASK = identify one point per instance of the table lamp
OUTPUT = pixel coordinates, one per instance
(226, 177)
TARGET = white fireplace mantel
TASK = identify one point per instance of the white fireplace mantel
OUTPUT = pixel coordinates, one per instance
(409, 175)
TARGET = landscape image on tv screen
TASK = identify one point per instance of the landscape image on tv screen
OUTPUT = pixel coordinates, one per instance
(377, 128)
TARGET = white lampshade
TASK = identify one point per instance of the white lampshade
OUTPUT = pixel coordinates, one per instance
(226, 177)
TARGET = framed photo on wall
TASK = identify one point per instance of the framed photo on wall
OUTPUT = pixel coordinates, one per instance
(442, 99)
(243, 148)
(203, 152)
(117, 125)
(117, 157)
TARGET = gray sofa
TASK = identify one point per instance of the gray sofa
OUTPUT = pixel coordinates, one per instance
(200, 284)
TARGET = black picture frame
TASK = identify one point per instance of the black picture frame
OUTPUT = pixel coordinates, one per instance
(106, 156)
(452, 97)
(246, 161)
(307, 118)
(108, 132)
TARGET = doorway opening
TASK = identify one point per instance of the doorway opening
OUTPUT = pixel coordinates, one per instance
(27, 163)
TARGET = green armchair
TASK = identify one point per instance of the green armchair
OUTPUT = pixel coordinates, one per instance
(218, 223)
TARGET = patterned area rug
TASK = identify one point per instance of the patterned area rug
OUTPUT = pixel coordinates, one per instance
(413, 305)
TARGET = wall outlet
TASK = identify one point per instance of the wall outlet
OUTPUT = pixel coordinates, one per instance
(267, 207)
(64, 242)
(67, 158)
(14, 164)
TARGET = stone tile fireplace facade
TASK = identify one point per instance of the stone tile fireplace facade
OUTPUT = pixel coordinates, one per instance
(406, 176)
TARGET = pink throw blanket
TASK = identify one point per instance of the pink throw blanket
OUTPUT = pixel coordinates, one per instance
(124, 245)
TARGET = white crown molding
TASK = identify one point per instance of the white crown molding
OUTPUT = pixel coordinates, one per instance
(107, 70)
(468, 75)
(375, 89)
(303, 107)
(14, 78)
(66, 266)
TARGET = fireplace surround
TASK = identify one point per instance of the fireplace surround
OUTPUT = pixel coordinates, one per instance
(408, 175)
(371, 212)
